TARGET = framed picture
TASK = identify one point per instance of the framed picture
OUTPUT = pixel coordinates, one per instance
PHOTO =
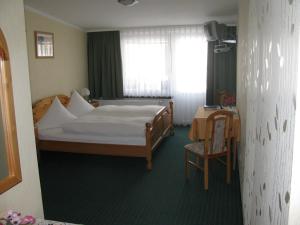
(44, 44)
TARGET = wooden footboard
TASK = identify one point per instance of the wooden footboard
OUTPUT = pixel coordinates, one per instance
(160, 127)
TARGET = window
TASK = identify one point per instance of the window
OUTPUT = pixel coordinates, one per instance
(146, 69)
(190, 64)
(166, 61)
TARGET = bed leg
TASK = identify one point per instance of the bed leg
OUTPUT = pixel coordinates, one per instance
(172, 132)
(149, 164)
(171, 118)
(148, 146)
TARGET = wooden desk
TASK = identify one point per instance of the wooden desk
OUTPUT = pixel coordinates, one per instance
(197, 131)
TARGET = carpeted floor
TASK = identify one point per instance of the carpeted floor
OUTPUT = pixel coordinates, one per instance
(101, 190)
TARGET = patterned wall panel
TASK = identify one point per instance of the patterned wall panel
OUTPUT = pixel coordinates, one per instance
(267, 74)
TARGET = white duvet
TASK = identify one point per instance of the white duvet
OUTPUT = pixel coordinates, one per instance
(111, 120)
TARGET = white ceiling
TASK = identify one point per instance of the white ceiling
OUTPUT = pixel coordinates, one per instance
(109, 14)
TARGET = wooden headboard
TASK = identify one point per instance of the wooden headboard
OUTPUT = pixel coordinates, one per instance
(41, 106)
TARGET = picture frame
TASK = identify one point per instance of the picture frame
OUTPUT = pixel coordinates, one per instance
(44, 44)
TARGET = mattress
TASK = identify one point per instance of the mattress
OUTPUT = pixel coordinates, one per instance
(108, 124)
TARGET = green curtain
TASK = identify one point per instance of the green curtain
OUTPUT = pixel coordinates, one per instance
(221, 71)
(105, 65)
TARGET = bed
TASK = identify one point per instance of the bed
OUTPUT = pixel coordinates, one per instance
(60, 139)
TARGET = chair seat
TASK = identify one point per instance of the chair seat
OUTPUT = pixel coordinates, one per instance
(196, 147)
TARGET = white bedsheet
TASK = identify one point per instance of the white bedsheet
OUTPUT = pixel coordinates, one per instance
(120, 121)
(108, 124)
(128, 110)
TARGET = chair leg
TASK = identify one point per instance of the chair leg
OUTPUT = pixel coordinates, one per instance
(206, 173)
(187, 172)
(228, 167)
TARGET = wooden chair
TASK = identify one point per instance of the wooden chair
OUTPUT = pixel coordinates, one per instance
(216, 144)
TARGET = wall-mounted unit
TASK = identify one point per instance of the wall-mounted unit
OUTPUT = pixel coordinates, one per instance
(221, 48)
(210, 29)
(128, 2)
(215, 31)
(225, 35)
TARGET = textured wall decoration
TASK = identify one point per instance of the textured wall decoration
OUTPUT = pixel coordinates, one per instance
(267, 74)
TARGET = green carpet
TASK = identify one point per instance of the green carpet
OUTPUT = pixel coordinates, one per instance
(101, 190)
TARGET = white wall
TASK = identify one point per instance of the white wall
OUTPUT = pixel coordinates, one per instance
(267, 75)
(294, 213)
(26, 196)
(242, 67)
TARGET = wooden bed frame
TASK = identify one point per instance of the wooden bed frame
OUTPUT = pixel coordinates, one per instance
(160, 127)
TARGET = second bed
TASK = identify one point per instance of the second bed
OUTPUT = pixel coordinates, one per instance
(127, 130)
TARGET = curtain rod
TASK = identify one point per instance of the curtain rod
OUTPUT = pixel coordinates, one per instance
(141, 27)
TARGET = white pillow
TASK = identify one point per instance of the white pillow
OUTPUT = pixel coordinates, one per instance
(56, 115)
(78, 105)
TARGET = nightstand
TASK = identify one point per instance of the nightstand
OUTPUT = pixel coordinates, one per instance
(95, 103)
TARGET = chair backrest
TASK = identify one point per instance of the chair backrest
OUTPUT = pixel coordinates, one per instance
(218, 131)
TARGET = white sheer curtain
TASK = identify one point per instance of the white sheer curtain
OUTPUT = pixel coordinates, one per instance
(146, 62)
(166, 61)
(189, 66)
